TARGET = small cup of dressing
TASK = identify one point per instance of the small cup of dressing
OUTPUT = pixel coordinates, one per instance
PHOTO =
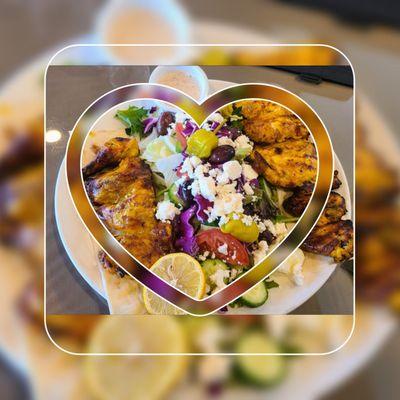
(191, 80)
(130, 29)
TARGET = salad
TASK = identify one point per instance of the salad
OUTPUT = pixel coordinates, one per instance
(222, 212)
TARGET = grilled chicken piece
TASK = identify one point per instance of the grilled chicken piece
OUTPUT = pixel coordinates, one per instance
(333, 239)
(289, 164)
(267, 123)
(334, 210)
(336, 183)
(297, 202)
(121, 189)
(111, 154)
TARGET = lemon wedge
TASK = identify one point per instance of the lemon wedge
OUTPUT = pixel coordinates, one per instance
(135, 377)
(181, 271)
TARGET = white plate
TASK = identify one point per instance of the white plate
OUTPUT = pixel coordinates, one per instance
(76, 240)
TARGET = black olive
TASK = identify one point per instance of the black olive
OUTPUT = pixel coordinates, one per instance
(267, 236)
(235, 132)
(185, 192)
(164, 121)
(222, 154)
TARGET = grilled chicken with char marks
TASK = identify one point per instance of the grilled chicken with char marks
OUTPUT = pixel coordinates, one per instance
(267, 123)
(297, 202)
(334, 239)
(334, 210)
(288, 164)
(120, 186)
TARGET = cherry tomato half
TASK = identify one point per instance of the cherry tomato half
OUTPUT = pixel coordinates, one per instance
(211, 239)
(179, 135)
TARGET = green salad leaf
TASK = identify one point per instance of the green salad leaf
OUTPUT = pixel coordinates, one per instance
(132, 118)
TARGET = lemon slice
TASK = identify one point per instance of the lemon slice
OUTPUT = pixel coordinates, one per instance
(135, 377)
(181, 271)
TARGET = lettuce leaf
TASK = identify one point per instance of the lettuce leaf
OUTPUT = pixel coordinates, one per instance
(133, 118)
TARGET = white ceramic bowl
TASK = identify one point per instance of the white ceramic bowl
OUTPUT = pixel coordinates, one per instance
(194, 71)
(170, 11)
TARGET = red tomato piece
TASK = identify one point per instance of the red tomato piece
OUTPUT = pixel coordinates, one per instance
(211, 239)
(179, 135)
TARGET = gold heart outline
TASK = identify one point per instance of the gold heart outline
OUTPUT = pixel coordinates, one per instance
(199, 113)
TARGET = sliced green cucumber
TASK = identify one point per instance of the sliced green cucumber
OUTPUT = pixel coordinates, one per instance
(210, 267)
(258, 370)
(173, 195)
(256, 296)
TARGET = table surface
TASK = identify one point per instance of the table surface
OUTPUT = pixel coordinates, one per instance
(73, 88)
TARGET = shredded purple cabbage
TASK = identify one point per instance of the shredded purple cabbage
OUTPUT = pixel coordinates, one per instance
(153, 109)
(186, 236)
(149, 124)
(214, 125)
(254, 182)
(190, 128)
(203, 205)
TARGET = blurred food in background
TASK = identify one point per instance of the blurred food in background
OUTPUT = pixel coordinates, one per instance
(54, 374)
(378, 223)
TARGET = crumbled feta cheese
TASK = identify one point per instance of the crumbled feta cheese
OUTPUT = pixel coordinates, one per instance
(180, 181)
(195, 161)
(195, 188)
(248, 172)
(223, 178)
(214, 172)
(218, 278)
(293, 267)
(229, 203)
(233, 169)
(223, 249)
(270, 226)
(217, 117)
(280, 229)
(189, 164)
(261, 226)
(260, 252)
(225, 141)
(222, 190)
(166, 211)
(207, 187)
(200, 170)
(247, 220)
(243, 141)
(248, 189)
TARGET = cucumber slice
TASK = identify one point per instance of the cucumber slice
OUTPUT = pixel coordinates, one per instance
(173, 195)
(256, 296)
(259, 370)
(210, 267)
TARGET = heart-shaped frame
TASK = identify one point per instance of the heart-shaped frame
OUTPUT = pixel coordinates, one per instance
(199, 113)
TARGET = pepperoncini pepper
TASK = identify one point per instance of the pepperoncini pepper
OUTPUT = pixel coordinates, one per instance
(201, 143)
(240, 230)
